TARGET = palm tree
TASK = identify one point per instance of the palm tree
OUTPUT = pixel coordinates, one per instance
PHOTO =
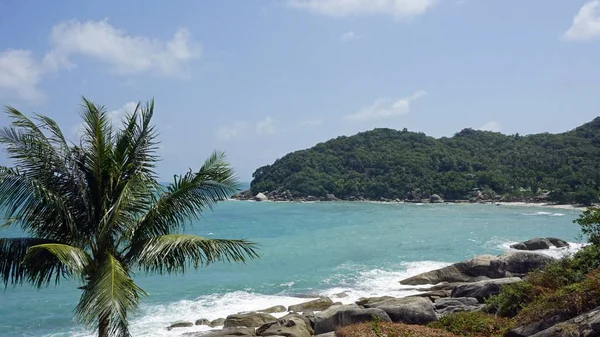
(95, 211)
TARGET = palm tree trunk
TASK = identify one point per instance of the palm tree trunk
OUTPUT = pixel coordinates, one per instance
(103, 327)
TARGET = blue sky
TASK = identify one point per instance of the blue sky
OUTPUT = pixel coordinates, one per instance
(259, 79)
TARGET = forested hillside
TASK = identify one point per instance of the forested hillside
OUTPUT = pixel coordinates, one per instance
(386, 163)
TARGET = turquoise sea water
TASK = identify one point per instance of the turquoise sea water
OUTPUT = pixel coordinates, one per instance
(307, 249)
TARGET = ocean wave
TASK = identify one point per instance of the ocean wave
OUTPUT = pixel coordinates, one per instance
(544, 214)
(555, 252)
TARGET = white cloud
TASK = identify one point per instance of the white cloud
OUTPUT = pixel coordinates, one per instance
(20, 75)
(490, 126)
(125, 54)
(586, 24)
(266, 126)
(349, 36)
(311, 122)
(385, 108)
(400, 9)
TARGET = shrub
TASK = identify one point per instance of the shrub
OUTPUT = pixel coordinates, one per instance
(511, 299)
(473, 324)
(379, 329)
(589, 221)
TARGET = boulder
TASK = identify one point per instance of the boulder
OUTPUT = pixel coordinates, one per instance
(339, 316)
(409, 310)
(217, 322)
(436, 199)
(290, 326)
(232, 332)
(533, 328)
(540, 243)
(483, 267)
(260, 197)
(203, 321)
(315, 305)
(585, 325)
(274, 309)
(248, 320)
(482, 289)
(327, 334)
(311, 198)
(450, 305)
(433, 295)
(330, 197)
(180, 324)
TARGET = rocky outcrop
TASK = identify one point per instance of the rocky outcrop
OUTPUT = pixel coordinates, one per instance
(217, 322)
(232, 332)
(435, 199)
(248, 320)
(315, 305)
(274, 309)
(586, 325)
(533, 328)
(202, 321)
(483, 267)
(450, 305)
(409, 310)
(330, 197)
(339, 316)
(180, 324)
(482, 289)
(292, 325)
(540, 243)
(260, 197)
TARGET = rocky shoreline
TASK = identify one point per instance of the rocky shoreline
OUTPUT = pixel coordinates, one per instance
(462, 286)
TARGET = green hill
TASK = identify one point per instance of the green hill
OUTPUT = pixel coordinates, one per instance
(401, 164)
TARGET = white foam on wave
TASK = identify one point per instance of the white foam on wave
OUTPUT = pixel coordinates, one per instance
(544, 214)
(558, 253)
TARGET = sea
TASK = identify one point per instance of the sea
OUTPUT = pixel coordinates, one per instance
(345, 250)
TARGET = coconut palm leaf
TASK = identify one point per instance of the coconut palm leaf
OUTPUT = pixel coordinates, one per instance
(74, 259)
(108, 298)
(174, 252)
(12, 254)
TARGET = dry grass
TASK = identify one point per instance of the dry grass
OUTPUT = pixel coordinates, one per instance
(383, 329)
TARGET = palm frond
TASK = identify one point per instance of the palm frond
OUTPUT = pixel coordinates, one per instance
(186, 198)
(111, 295)
(174, 252)
(12, 254)
(74, 259)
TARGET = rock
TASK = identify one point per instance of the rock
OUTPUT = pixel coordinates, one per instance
(327, 334)
(482, 289)
(340, 316)
(330, 197)
(311, 198)
(341, 295)
(217, 322)
(232, 332)
(290, 326)
(450, 305)
(315, 305)
(274, 309)
(203, 321)
(540, 243)
(585, 325)
(409, 310)
(249, 320)
(180, 324)
(436, 199)
(483, 267)
(308, 313)
(433, 295)
(532, 329)
(260, 197)
(370, 302)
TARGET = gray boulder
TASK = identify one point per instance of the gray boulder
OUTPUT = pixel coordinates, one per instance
(217, 322)
(311, 198)
(249, 320)
(260, 197)
(433, 295)
(483, 267)
(533, 328)
(232, 332)
(340, 316)
(436, 199)
(482, 289)
(330, 197)
(449, 305)
(540, 243)
(327, 334)
(290, 326)
(274, 309)
(585, 325)
(409, 310)
(203, 321)
(315, 305)
(180, 324)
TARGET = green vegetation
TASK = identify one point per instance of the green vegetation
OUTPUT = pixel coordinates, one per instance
(95, 211)
(473, 324)
(379, 329)
(400, 164)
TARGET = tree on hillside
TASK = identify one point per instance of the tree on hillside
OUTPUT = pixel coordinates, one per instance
(95, 211)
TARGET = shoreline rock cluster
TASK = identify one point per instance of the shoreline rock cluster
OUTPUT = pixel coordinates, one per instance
(462, 286)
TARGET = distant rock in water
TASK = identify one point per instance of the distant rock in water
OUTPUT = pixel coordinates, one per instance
(540, 243)
(180, 324)
(436, 199)
(483, 267)
(315, 305)
(260, 197)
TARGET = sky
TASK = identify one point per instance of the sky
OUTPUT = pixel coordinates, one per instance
(259, 79)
